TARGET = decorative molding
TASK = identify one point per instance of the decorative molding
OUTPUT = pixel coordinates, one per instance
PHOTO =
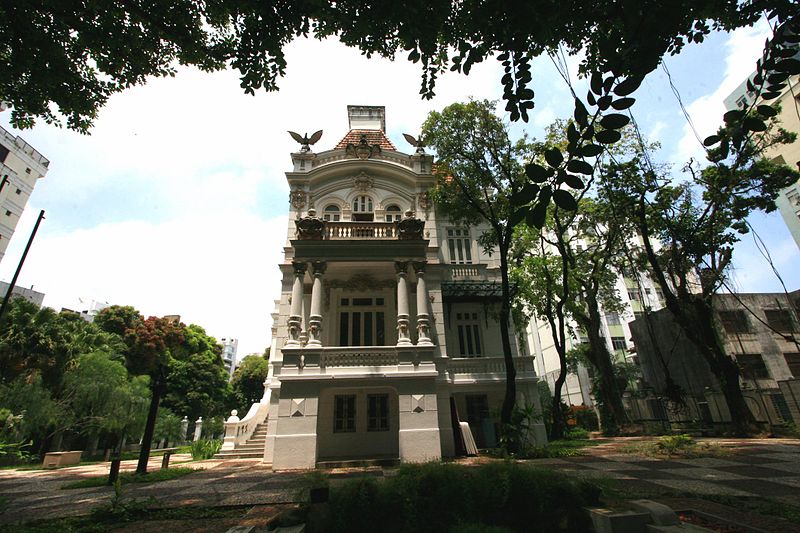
(363, 182)
(424, 202)
(418, 403)
(359, 282)
(297, 197)
(363, 150)
(298, 407)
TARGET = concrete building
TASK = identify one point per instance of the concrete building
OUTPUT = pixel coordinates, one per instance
(21, 166)
(385, 337)
(789, 200)
(31, 295)
(637, 294)
(229, 348)
(761, 331)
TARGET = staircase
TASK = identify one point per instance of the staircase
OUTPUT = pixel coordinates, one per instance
(252, 449)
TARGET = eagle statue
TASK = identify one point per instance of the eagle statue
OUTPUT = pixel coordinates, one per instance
(306, 141)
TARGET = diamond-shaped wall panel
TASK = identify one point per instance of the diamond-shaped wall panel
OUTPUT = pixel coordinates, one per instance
(418, 403)
(298, 407)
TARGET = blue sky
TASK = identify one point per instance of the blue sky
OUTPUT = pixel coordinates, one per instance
(177, 202)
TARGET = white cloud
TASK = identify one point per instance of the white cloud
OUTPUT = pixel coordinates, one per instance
(204, 153)
(744, 48)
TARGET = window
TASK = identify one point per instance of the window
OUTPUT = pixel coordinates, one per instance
(331, 213)
(362, 209)
(27, 171)
(8, 213)
(634, 294)
(18, 191)
(362, 322)
(344, 414)
(618, 343)
(469, 336)
(460, 246)
(752, 366)
(612, 319)
(660, 294)
(741, 102)
(793, 362)
(377, 412)
(780, 320)
(3, 153)
(393, 214)
(638, 314)
(648, 291)
(734, 321)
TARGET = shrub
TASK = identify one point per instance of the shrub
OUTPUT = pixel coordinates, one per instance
(672, 444)
(446, 497)
(576, 433)
(205, 449)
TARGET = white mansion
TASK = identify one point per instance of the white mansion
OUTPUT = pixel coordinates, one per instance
(386, 335)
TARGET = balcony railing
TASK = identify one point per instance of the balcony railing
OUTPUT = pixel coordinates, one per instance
(487, 365)
(360, 230)
(369, 357)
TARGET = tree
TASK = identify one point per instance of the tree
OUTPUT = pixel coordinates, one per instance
(248, 381)
(197, 382)
(118, 319)
(150, 347)
(479, 168)
(75, 55)
(698, 220)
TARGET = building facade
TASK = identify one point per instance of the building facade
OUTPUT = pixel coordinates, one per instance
(21, 166)
(229, 348)
(35, 297)
(385, 337)
(788, 201)
(759, 330)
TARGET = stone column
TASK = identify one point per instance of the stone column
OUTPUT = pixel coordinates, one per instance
(296, 312)
(315, 316)
(184, 427)
(423, 318)
(402, 304)
(303, 325)
(198, 428)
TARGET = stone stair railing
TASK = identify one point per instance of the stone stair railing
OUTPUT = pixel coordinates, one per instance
(238, 431)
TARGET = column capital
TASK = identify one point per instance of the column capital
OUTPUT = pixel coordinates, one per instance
(400, 267)
(299, 267)
(319, 267)
(419, 267)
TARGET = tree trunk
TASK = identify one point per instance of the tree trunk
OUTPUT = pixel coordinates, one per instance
(698, 324)
(609, 396)
(556, 412)
(149, 428)
(510, 398)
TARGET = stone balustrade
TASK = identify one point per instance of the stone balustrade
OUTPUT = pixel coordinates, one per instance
(361, 230)
(238, 431)
(487, 365)
(368, 357)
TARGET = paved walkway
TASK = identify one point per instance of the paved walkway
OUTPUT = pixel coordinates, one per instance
(758, 468)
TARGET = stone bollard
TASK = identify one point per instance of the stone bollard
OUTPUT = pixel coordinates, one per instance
(184, 428)
(198, 428)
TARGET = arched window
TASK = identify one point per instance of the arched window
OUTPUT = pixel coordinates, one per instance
(393, 214)
(331, 213)
(362, 209)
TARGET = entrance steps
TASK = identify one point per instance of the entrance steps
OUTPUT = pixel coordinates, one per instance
(253, 448)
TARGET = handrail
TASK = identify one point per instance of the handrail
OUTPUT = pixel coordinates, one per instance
(238, 431)
(486, 365)
(343, 230)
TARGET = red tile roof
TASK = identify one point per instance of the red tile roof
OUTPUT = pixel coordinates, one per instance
(373, 137)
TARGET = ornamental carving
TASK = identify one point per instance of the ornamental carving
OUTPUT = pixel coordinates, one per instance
(310, 228)
(424, 202)
(363, 150)
(297, 197)
(357, 283)
(410, 228)
(363, 182)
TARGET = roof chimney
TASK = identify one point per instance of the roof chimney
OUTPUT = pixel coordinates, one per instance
(367, 117)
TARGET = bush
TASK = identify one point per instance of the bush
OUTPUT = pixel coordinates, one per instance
(576, 433)
(446, 497)
(205, 449)
(672, 444)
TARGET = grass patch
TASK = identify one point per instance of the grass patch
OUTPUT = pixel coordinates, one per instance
(98, 522)
(131, 477)
(554, 449)
(435, 497)
(757, 505)
(677, 446)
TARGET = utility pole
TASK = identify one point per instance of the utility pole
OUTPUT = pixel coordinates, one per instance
(19, 266)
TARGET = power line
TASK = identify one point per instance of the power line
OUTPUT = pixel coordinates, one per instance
(680, 103)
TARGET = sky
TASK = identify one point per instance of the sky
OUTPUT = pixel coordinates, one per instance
(177, 201)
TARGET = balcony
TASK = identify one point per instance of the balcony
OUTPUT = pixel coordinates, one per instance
(339, 231)
(474, 369)
(356, 361)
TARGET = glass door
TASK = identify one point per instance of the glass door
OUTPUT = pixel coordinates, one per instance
(362, 321)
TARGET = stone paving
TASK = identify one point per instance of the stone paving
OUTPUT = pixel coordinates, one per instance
(758, 468)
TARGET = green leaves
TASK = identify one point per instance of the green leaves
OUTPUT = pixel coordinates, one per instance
(754, 124)
(536, 216)
(591, 150)
(525, 195)
(565, 200)
(711, 140)
(788, 66)
(627, 86)
(608, 136)
(766, 110)
(553, 157)
(614, 121)
(622, 103)
(582, 167)
(537, 173)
